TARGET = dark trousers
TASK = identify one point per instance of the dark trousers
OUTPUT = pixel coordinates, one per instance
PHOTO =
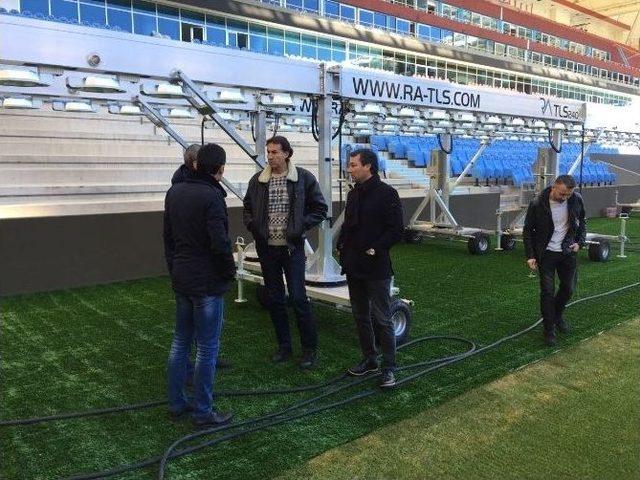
(371, 306)
(552, 303)
(276, 261)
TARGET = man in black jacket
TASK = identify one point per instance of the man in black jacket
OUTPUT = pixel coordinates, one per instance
(372, 225)
(200, 262)
(184, 171)
(283, 202)
(189, 166)
(554, 230)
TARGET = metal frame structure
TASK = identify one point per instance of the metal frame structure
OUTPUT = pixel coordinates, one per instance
(88, 65)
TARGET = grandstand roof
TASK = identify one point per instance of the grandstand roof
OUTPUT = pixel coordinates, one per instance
(617, 20)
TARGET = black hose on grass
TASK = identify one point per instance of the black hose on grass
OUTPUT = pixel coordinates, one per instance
(266, 421)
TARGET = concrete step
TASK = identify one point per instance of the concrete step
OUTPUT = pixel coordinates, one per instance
(38, 175)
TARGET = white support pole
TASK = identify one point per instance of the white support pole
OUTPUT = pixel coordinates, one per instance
(577, 161)
(553, 165)
(498, 229)
(322, 267)
(483, 146)
(260, 129)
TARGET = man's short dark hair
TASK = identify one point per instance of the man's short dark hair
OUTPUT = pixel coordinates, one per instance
(567, 180)
(210, 158)
(367, 157)
(284, 144)
(191, 155)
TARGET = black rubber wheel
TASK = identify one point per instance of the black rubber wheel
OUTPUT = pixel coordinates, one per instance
(508, 242)
(401, 318)
(263, 296)
(479, 244)
(599, 252)
(412, 237)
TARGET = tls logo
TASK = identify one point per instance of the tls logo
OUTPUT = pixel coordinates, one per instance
(546, 105)
(557, 110)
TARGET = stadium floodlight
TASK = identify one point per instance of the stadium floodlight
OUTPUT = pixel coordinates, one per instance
(95, 84)
(301, 122)
(442, 124)
(415, 129)
(180, 113)
(390, 128)
(438, 130)
(130, 110)
(358, 118)
(163, 90)
(277, 100)
(19, 103)
(20, 78)
(540, 139)
(492, 120)
(508, 129)
(539, 124)
(467, 126)
(370, 109)
(517, 122)
(513, 138)
(458, 131)
(389, 121)
(436, 115)
(527, 139)
(489, 127)
(79, 107)
(229, 116)
(559, 126)
(236, 96)
(465, 117)
(406, 112)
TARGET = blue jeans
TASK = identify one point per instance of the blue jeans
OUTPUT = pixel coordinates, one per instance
(275, 261)
(199, 318)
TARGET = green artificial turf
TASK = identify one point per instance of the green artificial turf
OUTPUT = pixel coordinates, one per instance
(572, 416)
(107, 345)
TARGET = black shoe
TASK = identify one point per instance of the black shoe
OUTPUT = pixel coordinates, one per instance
(176, 416)
(282, 355)
(363, 368)
(563, 326)
(222, 363)
(550, 339)
(214, 419)
(309, 359)
(387, 379)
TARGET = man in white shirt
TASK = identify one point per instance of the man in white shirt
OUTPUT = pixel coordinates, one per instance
(554, 230)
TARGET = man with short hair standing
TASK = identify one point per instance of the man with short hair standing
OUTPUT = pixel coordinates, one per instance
(200, 262)
(372, 225)
(283, 202)
(554, 230)
(189, 166)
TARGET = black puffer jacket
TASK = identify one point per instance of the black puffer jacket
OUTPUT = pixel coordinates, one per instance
(307, 206)
(538, 224)
(181, 174)
(373, 219)
(196, 237)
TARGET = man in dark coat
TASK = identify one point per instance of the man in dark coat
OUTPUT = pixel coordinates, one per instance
(554, 230)
(283, 202)
(184, 171)
(200, 261)
(190, 163)
(372, 225)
